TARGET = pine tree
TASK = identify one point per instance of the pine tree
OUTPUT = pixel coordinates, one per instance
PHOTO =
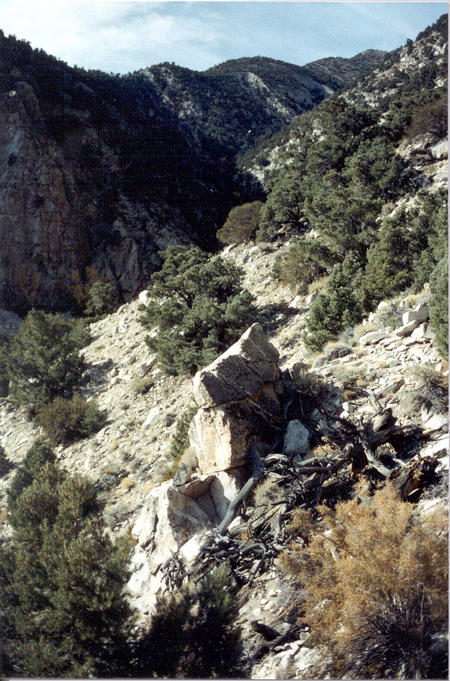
(200, 309)
(44, 358)
(71, 617)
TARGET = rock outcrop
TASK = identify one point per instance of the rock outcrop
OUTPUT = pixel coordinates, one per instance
(239, 397)
(239, 400)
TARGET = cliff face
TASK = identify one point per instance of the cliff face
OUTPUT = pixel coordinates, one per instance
(100, 173)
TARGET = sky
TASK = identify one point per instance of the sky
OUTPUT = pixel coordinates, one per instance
(124, 36)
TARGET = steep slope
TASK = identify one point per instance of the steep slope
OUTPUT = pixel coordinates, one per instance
(390, 92)
(237, 101)
(99, 172)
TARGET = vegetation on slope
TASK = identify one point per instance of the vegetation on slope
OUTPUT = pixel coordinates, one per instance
(374, 578)
(200, 309)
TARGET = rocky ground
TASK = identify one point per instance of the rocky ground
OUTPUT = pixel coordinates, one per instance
(387, 362)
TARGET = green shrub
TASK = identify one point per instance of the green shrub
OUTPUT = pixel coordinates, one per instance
(4, 354)
(39, 454)
(241, 223)
(5, 464)
(439, 305)
(66, 421)
(180, 439)
(306, 260)
(194, 633)
(389, 262)
(70, 616)
(200, 309)
(338, 308)
(44, 358)
(283, 209)
(102, 300)
(142, 384)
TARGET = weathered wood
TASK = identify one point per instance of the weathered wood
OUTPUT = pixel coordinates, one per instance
(236, 503)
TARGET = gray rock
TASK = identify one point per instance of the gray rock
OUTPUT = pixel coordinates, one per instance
(9, 322)
(407, 329)
(372, 337)
(196, 487)
(439, 150)
(419, 314)
(239, 372)
(296, 439)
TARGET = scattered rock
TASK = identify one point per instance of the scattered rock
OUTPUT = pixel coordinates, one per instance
(296, 439)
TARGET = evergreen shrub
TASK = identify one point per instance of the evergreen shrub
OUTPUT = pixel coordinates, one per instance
(66, 421)
(102, 299)
(439, 305)
(36, 457)
(70, 616)
(200, 309)
(44, 358)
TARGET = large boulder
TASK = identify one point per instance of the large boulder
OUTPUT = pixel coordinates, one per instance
(238, 395)
(239, 372)
(167, 520)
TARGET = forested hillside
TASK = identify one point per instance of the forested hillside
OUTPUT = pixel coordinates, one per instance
(101, 171)
(230, 459)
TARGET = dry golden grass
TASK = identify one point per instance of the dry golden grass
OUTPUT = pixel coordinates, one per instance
(318, 284)
(375, 577)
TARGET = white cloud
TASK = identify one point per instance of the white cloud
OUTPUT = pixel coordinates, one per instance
(113, 36)
(125, 35)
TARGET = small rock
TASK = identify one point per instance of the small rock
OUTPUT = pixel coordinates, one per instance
(152, 417)
(296, 439)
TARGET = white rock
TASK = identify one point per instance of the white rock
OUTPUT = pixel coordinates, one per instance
(143, 297)
(419, 314)
(296, 302)
(372, 337)
(192, 547)
(420, 332)
(296, 439)
(439, 150)
(432, 421)
(152, 417)
(311, 298)
(407, 329)
(166, 521)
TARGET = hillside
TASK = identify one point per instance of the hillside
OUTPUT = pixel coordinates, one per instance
(240, 471)
(109, 170)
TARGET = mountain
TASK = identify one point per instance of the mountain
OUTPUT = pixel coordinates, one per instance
(101, 172)
(238, 522)
(391, 90)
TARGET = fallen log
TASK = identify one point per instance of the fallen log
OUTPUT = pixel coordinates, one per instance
(233, 508)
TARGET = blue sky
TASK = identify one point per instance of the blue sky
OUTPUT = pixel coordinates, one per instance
(120, 37)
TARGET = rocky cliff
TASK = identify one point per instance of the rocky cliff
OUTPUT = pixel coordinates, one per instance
(100, 173)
